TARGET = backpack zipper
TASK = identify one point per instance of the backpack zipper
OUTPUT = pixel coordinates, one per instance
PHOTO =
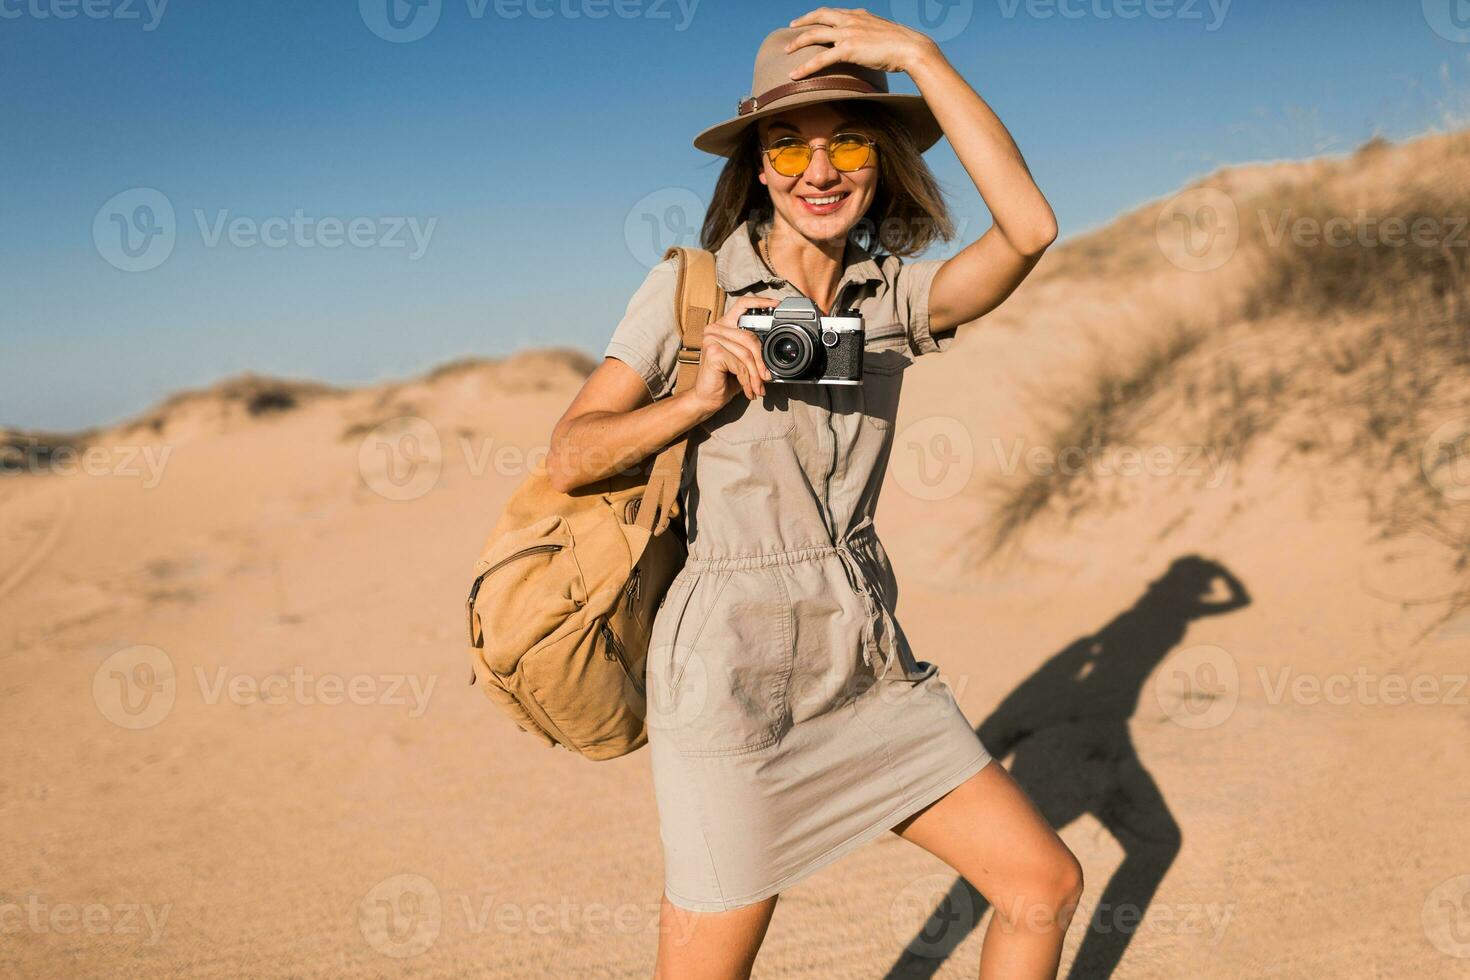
(469, 604)
(614, 651)
(630, 591)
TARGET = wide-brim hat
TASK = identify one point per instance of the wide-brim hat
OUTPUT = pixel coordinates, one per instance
(773, 91)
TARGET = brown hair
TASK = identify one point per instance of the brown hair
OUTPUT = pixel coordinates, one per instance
(906, 215)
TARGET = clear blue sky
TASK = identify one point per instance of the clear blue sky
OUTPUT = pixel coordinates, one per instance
(531, 133)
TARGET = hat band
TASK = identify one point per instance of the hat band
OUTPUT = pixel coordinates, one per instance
(821, 83)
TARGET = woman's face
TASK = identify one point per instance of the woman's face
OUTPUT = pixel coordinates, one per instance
(823, 203)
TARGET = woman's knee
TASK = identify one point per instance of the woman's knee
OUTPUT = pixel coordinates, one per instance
(1043, 893)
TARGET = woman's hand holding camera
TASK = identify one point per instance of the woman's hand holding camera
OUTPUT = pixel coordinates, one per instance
(731, 360)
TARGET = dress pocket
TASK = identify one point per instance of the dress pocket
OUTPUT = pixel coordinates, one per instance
(731, 672)
(743, 420)
(882, 382)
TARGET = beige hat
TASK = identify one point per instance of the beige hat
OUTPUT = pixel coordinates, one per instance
(773, 91)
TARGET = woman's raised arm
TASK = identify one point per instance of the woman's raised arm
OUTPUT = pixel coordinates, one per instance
(980, 277)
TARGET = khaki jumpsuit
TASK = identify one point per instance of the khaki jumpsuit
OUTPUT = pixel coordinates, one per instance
(788, 720)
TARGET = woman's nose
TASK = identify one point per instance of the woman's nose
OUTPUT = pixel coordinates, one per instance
(820, 171)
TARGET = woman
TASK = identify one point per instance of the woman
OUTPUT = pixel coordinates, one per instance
(789, 720)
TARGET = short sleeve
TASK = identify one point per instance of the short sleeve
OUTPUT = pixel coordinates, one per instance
(647, 337)
(911, 298)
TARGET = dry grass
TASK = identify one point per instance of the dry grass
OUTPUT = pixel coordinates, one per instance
(1349, 350)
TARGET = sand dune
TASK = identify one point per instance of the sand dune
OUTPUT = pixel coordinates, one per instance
(239, 738)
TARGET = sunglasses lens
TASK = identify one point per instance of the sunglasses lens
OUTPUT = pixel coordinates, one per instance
(789, 160)
(848, 154)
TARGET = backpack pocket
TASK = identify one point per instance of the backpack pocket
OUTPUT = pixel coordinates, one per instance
(524, 590)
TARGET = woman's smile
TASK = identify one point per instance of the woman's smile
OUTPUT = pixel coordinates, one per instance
(824, 203)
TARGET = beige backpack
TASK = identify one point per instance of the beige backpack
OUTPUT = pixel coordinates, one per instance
(566, 587)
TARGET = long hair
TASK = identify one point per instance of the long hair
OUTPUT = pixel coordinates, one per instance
(907, 214)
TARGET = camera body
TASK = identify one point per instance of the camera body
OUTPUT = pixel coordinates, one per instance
(799, 345)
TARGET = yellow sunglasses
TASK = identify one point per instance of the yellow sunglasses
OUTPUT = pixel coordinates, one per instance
(791, 155)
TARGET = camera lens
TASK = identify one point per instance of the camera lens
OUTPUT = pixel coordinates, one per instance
(788, 351)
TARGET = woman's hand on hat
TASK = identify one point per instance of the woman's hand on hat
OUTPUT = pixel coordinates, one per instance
(857, 38)
(731, 360)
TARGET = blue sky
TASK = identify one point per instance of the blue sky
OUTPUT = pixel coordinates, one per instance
(352, 208)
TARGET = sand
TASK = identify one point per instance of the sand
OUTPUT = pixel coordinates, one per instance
(239, 738)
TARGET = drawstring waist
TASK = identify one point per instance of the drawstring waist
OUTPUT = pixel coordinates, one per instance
(856, 578)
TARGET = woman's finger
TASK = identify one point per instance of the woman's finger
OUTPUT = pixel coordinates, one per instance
(745, 345)
(817, 35)
(830, 56)
(822, 15)
(729, 361)
(752, 343)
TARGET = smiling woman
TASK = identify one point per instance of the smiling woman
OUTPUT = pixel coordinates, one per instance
(789, 721)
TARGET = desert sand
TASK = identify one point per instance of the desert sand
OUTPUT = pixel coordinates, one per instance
(239, 738)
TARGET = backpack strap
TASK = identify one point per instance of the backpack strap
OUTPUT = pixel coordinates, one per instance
(698, 301)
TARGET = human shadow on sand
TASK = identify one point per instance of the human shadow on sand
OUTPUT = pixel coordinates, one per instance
(1067, 725)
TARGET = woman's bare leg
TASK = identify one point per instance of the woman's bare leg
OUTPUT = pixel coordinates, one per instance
(710, 945)
(989, 831)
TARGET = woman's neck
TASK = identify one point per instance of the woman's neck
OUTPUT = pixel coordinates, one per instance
(812, 267)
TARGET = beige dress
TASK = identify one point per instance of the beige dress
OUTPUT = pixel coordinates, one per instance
(788, 720)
